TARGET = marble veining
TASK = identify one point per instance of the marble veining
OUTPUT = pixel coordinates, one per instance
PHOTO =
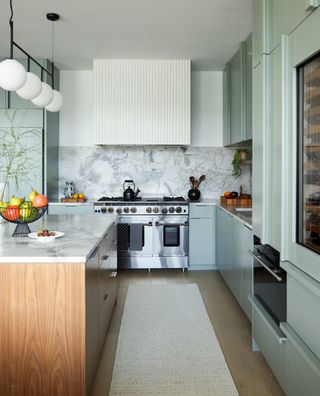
(101, 170)
(82, 234)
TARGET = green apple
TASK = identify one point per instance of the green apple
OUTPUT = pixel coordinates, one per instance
(15, 201)
(32, 195)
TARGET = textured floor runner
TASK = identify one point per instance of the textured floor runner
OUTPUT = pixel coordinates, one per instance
(167, 345)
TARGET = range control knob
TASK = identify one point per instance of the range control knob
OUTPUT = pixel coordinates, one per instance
(149, 210)
(133, 210)
(179, 209)
(103, 210)
(155, 210)
(171, 209)
(110, 210)
(119, 210)
(126, 210)
(164, 210)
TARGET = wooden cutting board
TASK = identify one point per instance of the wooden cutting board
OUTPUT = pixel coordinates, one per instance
(236, 201)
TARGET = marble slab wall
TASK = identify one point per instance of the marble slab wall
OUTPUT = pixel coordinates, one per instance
(101, 170)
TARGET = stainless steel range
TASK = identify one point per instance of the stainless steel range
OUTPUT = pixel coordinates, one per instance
(152, 232)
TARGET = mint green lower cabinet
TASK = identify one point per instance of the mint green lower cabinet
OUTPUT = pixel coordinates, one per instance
(202, 244)
(223, 227)
(303, 306)
(270, 340)
(235, 259)
(233, 240)
(67, 209)
(302, 366)
(246, 270)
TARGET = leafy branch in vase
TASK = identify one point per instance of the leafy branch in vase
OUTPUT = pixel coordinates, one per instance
(19, 151)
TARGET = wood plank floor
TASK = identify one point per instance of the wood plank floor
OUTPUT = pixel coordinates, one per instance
(249, 370)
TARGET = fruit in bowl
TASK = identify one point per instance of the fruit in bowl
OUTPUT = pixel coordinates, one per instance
(39, 201)
(12, 213)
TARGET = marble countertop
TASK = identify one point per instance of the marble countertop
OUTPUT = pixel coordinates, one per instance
(82, 234)
(87, 203)
(245, 219)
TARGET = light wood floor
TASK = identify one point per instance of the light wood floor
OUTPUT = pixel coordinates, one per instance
(249, 370)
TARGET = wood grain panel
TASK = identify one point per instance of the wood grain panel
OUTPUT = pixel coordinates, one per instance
(42, 333)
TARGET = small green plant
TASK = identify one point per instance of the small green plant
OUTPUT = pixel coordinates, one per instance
(236, 162)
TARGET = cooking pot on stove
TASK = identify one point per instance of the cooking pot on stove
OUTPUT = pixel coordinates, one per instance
(129, 193)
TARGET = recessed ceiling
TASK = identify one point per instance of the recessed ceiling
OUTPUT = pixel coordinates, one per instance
(206, 31)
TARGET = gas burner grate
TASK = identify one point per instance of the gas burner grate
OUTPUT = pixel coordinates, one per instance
(176, 199)
(116, 199)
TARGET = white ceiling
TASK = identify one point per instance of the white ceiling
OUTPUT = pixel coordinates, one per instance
(206, 31)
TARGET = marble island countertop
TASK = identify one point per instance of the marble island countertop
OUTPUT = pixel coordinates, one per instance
(245, 217)
(82, 234)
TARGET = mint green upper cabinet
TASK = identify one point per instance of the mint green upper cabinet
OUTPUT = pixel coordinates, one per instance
(296, 12)
(235, 98)
(247, 111)
(238, 96)
(276, 22)
(274, 143)
(226, 105)
(257, 169)
(258, 45)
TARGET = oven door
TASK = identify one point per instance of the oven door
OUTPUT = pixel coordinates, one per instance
(270, 287)
(171, 237)
(125, 236)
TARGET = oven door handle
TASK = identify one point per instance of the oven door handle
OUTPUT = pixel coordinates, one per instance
(258, 258)
(172, 224)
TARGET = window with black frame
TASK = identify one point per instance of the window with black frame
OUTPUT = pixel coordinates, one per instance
(308, 181)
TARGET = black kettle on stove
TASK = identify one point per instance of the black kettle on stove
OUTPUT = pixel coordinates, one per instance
(129, 193)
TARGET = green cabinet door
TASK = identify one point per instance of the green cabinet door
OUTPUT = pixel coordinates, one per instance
(277, 16)
(297, 12)
(202, 240)
(235, 258)
(247, 89)
(273, 163)
(258, 41)
(246, 244)
(223, 244)
(236, 98)
(226, 105)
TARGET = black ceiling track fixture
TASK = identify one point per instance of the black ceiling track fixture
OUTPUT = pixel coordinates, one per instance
(14, 77)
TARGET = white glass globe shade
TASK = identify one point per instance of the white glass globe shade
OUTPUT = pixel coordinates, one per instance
(12, 75)
(31, 88)
(56, 103)
(45, 96)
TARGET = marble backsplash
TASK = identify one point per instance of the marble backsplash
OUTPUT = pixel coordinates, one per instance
(101, 170)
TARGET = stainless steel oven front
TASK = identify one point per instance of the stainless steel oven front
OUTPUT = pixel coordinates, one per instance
(163, 241)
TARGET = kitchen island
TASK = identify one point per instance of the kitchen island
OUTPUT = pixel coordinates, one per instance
(56, 300)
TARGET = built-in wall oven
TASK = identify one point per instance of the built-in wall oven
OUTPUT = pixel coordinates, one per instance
(270, 281)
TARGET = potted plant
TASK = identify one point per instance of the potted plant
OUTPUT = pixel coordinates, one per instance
(240, 155)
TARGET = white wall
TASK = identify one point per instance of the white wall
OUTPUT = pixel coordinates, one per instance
(76, 115)
(207, 109)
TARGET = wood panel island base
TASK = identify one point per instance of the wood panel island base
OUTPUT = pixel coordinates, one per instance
(55, 310)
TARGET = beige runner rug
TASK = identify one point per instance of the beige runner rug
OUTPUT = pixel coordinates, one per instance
(167, 345)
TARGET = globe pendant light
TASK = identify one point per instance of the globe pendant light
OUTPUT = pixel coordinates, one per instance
(12, 75)
(45, 97)
(56, 103)
(32, 87)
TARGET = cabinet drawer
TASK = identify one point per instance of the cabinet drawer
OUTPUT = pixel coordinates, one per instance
(70, 209)
(302, 366)
(201, 211)
(303, 308)
(270, 339)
